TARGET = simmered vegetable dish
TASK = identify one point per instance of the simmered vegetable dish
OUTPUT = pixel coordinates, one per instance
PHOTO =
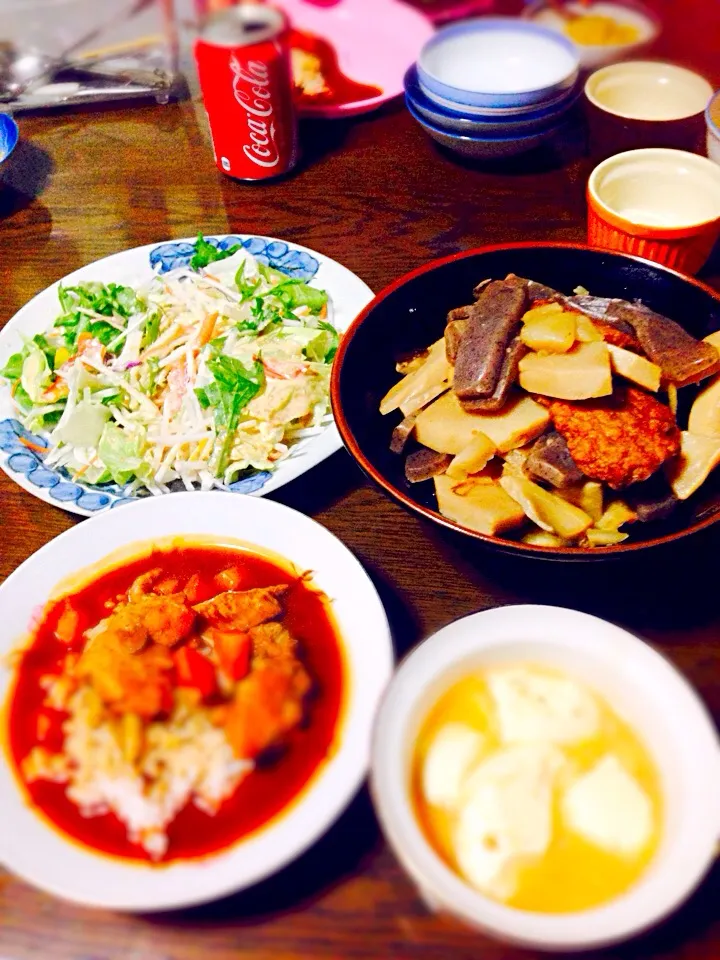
(553, 418)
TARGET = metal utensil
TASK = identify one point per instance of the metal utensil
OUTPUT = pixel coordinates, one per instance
(22, 71)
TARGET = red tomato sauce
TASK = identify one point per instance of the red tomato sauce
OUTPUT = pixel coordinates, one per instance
(340, 88)
(268, 789)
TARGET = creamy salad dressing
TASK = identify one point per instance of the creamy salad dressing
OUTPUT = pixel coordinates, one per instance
(530, 786)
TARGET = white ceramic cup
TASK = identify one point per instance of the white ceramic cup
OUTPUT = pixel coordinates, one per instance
(640, 684)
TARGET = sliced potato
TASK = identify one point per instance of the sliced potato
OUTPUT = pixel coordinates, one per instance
(419, 400)
(672, 392)
(588, 496)
(444, 425)
(484, 507)
(689, 470)
(541, 538)
(515, 461)
(554, 332)
(605, 538)
(615, 516)
(434, 371)
(634, 367)
(473, 458)
(582, 373)
(704, 417)
(713, 339)
(544, 310)
(549, 511)
(587, 332)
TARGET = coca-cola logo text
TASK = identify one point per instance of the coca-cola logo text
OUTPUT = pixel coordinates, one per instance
(251, 83)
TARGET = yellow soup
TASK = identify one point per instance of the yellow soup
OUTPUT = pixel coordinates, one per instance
(530, 786)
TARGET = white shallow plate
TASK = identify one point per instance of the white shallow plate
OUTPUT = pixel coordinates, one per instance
(39, 854)
(348, 293)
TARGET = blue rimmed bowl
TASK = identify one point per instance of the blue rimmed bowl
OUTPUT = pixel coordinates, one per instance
(497, 62)
(489, 147)
(9, 136)
(485, 124)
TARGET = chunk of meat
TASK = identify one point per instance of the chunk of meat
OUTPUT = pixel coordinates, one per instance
(247, 608)
(514, 353)
(493, 322)
(128, 682)
(620, 439)
(271, 641)
(268, 704)
(143, 584)
(550, 460)
(163, 620)
(423, 464)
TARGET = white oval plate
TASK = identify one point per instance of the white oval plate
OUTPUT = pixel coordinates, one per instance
(41, 855)
(349, 294)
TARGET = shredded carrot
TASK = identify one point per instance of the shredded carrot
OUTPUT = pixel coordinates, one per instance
(206, 329)
(32, 446)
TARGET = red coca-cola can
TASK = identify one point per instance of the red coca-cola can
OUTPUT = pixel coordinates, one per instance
(243, 60)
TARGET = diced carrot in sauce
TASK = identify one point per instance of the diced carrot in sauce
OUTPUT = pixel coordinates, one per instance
(167, 586)
(233, 651)
(192, 589)
(49, 729)
(229, 579)
(67, 629)
(194, 670)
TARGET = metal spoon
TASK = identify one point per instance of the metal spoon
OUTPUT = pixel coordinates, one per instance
(22, 71)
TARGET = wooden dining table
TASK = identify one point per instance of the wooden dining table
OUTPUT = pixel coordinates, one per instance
(376, 194)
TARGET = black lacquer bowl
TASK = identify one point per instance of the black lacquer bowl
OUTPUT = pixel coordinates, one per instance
(410, 314)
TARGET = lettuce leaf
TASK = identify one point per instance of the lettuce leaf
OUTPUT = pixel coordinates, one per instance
(121, 452)
(13, 368)
(323, 347)
(84, 425)
(206, 253)
(233, 386)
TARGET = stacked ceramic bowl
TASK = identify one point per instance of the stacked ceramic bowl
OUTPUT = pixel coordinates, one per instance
(493, 86)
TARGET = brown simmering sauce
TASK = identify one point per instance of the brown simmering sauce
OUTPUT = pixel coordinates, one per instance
(265, 792)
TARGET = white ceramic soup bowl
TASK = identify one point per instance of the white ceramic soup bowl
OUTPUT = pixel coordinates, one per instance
(648, 90)
(42, 856)
(639, 684)
(497, 62)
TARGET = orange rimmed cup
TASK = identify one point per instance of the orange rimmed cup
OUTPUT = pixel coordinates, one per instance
(657, 203)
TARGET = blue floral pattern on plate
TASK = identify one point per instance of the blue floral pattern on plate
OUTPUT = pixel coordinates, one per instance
(25, 450)
(274, 253)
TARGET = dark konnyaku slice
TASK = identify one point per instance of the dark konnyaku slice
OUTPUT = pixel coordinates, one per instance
(454, 332)
(652, 500)
(619, 440)
(493, 322)
(402, 433)
(514, 353)
(538, 291)
(681, 357)
(424, 463)
(550, 460)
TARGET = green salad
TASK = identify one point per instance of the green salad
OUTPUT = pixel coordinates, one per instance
(201, 375)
